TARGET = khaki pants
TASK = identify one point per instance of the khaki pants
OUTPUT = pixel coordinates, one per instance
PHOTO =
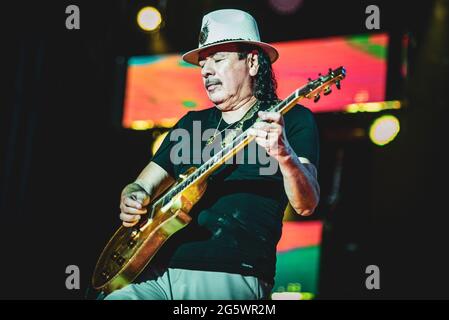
(182, 284)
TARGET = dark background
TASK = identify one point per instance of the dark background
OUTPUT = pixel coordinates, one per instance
(64, 157)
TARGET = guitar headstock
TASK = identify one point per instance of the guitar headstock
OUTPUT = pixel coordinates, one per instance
(323, 84)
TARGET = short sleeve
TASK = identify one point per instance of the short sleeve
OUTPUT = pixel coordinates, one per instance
(302, 133)
(162, 155)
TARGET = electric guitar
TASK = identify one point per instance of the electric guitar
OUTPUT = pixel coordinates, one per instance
(130, 250)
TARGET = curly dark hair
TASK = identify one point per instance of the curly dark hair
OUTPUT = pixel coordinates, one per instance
(265, 84)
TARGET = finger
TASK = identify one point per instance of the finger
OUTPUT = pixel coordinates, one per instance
(133, 211)
(262, 125)
(271, 116)
(128, 224)
(258, 133)
(129, 209)
(273, 136)
(275, 127)
(273, 145)
(141, 197)
(129, 217)
(132, 203)
(262, 142)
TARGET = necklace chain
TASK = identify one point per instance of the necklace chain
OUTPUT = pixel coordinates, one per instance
(239, 125)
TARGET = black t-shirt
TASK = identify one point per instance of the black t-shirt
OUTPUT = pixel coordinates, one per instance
(238, 222)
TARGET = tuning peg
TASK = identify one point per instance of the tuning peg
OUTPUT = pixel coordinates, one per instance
(337, 84)
(309, 79)
(327, 91)
(316, 97)
(330, 71)
(321, 78)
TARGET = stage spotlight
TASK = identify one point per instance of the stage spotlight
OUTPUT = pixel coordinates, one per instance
(373, 106)
(384, 129)
(142, 124)
(149, 18)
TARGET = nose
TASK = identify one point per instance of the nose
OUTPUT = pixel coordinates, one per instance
(207, 69)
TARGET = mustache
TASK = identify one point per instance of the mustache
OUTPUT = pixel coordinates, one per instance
(210, 82)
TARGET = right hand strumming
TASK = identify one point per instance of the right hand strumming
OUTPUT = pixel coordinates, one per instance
(133, 204)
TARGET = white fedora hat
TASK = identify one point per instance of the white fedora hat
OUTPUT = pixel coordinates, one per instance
(229, 26)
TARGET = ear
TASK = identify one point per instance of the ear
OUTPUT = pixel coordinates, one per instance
(253, 63)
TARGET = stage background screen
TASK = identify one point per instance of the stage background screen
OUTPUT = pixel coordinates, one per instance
(162, 88)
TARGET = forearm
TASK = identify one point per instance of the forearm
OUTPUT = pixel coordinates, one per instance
(300, 183)
(154, 180)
